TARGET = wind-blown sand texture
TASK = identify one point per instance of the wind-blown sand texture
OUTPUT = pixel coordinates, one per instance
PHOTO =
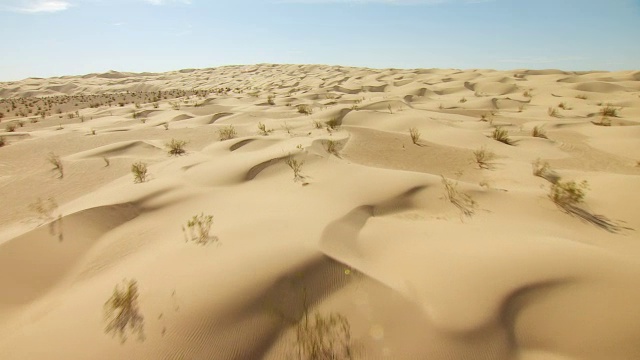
(366, 232)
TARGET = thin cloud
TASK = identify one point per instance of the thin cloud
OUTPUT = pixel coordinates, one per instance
(388, 2)
(164, 2)
(37, 6)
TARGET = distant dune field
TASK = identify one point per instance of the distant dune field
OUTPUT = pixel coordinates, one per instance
(321, 212)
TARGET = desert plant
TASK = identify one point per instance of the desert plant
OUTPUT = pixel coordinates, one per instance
(568, 193)
(539, 132)
(122, 312)
(462, 201)
(520, 107)
(262, 129)
(415, 135)
(296, 166)
(271, 100)
(198, 228)
(463, 100)
(304, 109)
(609, 111)
(604, 121)
(540, 168)
(155, 105)
(390, 109)
(139, 171)
(331, 147)
(502, 135)
(483, 157)
(317, 124)
(176, 147)
(175, 105)
(10, 127)
(106, 161)
(323, 337)
(44, 208)
(581, 96)
(3, 142)
(54, 160)
(227, 132)
(334, 123)
(527, 93)
(166, 126)
(553, 112)
(563, 105)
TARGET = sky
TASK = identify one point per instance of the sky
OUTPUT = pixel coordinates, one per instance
(44, 38)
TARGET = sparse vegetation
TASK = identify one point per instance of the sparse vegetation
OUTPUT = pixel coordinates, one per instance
(553, 112)
(331, 147)
(540, 168)
(483, 157)
(227, 132)
(139, 171)
(462, 201)
(3, 142)
(262, 129)
(296, 166)
(334, 123)
(563, 105)
(502, 135)
(176, 147)
(539, 132)
(568, 193)
(10, 127)
(122, 312)
(317, 124)
(463, 100)
(527, 93)
(106, 161)
(581, 97)
(271, 100)
(323, 337)
(415, 135)
(55, 160)
(304, 109)
(198, 228)
(604, 121)
(609, 111)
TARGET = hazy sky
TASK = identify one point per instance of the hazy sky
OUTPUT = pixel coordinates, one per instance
(44, 38)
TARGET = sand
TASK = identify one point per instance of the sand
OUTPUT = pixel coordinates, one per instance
(365, 235)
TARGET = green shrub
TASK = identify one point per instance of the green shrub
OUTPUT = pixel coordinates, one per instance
(122, 313)
(539, 132)
(176, 147)
(568, 193)
(415, 135)
(198, 228)
(502, 135)
(139, 171)
(227, 132)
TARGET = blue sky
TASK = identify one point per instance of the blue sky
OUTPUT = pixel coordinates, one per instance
(42, 38)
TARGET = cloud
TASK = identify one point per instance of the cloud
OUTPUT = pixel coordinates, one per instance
(164, 2)
(37, 6)
(389, 2)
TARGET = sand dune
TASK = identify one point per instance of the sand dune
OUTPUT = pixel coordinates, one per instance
(363, 235)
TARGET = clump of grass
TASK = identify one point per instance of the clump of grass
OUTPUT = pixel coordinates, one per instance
(415, 135)
(317, 124)
(334, 123)
(44, 208)
(55, 160)
(10, 127)
(176, 147)
(568, 193)
(539, 132)
(304, 109)
(502, 135)
(296, 166)
(323, 337)
(484, 157)
(175, 105)
(563, 105)
(139, 171)
(581, 97)
(198, 228)
(540, 168)
(331, 147)
(262, 129)
(553, 112)
(463, 100)
(609, 111)
(227, 132)
(527, 93)
(122, 311)
(271, 99)
(166, 126)
(604, 121)
(462, 201)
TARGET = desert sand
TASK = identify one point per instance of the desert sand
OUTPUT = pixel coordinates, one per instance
(364, 247)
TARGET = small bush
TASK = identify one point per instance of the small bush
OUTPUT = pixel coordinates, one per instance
(198, 228)
(323, 337)
(527, 93)
(581, 97)
(540, 168)
(122, 312)
(539, 132)
(262, 129)
(463, 100)
(568, 193)
(609, 111)
(483, 157)
(462, 201)
(139, 171)
(227, 132)
(604, 121)
(10, 127)
(54, 160)
(502, 135)
(553, 112)
(304, 109)
(331, 147)
(271, 100)
(334, 123)
(296, 166)
(415, 135)
(563, 105)
(317, 124)
(176, 147)
(156, 105)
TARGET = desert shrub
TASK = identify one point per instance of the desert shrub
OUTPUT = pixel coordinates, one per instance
(527, 93)
(271, 99)
(165, 125)
(262, 129)
(463, 100)
(539, 132)
(462, 201)
(502, 135)
(198, 228)
(581, 97)
(304, 109)
(553, 112)
(333, 123)
(122, 312)
(227, 132)
(55, 160)
(540, 168)
(604, 121)
(317, 124)
(483, 157)
(331, 147)
(139, 171)
(155, 105)
(568, 193)
(609, 111)
(415, 135)
(323, 337)
(563, 105)
(3, 142)
(10, 127)
(176, 147)
(296, 166)
(175, 105)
